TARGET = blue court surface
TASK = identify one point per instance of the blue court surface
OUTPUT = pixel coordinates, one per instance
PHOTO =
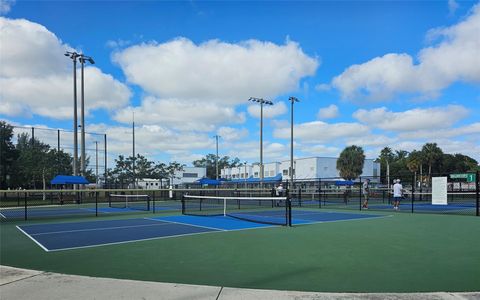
(66, 236)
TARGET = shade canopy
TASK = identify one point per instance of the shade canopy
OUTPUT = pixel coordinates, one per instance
(66, 179)
(208, 181)
(343, 182)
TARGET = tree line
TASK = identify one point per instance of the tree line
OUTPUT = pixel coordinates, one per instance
(31, 163)
(430, 159)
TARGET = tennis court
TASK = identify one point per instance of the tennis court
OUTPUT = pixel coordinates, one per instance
(66, 236)
(247, 242)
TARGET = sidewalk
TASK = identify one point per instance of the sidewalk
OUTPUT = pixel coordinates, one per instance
(20, 284)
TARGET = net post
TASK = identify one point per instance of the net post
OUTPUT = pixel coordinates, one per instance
(289, 211)
(224, 207)
(183, 204)
(96, 204)
(153, 202)
(109, 200)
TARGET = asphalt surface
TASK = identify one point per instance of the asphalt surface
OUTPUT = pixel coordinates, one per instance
(19, 284)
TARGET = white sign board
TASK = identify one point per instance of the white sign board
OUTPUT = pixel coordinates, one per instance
(439, 190)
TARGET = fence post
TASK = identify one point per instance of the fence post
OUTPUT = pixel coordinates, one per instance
(319, 192)
(96, 204)
(413, 191)
(153, 202)
(477, 188)
(25, 205)
(360, 194)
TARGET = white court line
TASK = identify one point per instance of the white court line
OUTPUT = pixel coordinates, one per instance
(214, 230)
(30, 237)
(96, 229)
(181, 223)
(308, 222)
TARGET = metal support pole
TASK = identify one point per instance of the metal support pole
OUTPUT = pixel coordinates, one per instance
(105, 158)
(261, 145)
(82, 120)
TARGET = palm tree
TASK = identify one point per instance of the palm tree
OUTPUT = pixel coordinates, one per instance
(414, 161)
(350, 162)
(386, 158)
(432, 154)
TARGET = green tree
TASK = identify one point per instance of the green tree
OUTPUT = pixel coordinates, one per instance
(37, 164)
(8, 155)
(208, 162)
(172, 168)
(432, 155)
(350, 162)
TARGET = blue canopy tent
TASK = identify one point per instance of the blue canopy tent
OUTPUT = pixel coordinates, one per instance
(343, 183)
(276, 178)
(208, 181)
(66, 179)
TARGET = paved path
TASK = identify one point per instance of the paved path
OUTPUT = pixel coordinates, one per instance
(19, 284)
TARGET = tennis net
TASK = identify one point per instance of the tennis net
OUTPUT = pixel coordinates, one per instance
(266, 210)
(137, 202)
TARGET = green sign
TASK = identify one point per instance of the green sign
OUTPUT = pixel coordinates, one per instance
(470, 177)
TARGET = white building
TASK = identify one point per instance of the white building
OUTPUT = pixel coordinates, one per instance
(188, 175)
(304, 168)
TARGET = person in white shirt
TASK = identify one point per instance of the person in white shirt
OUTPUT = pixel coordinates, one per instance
(365, 192)
(397, 194)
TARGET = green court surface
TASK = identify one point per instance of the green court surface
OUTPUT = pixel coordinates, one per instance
(398, 253)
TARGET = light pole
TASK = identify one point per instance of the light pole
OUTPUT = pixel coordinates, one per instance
(74, 56)
(292, 100)
(262, 102)
(83, 59)
(216, 157)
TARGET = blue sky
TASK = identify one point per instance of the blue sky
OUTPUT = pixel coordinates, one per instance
(373, 74)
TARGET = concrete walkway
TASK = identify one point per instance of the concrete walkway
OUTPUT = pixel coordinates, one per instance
(19, 284)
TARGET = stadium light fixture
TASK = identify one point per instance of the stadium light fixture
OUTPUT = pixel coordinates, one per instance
(74, 56)
(292, 100)
(83, 58)
(262, 102)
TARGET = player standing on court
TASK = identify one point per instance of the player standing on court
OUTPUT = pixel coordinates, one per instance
(397, 194)
(366, 191)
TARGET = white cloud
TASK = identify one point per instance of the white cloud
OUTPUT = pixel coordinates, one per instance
(269, 111)
(328, 112)
(152, 140)
(6, 6)
(452, 6)
(180, 114)
(319, 150)
(471, 129)
(321, 132)
(119, 43)
(372, 140)
(322, 87)
(232, 134)
(216, 71)
(454, 58)
(39, 81)
(415, 119)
